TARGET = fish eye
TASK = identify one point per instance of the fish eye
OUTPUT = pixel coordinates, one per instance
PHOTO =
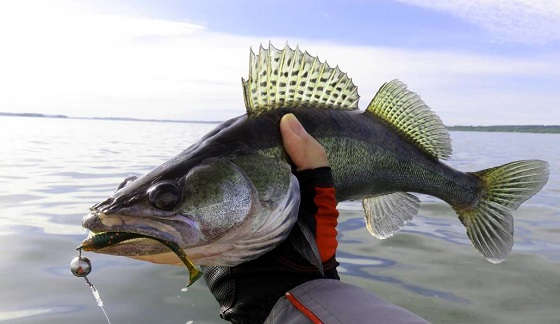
(126, 182)
(164, 195)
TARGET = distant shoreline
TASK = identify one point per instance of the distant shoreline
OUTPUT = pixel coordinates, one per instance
(36, 115)
(545, 129)
(31, 115)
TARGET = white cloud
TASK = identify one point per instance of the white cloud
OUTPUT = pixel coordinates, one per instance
(526, 21)
(81, 64)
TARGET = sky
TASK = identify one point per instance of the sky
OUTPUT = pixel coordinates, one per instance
(474, 62)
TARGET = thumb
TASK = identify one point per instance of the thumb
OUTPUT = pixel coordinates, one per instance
(293, 136)
(291, 127)
(304, 151)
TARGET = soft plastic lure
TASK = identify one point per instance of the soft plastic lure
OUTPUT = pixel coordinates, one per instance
(101, 240)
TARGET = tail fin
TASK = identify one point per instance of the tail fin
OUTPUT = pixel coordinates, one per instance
(489, 222)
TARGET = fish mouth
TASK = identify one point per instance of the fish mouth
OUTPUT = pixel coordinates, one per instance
(103, 240)
(125, 236)
(177, 229)
(132, 228)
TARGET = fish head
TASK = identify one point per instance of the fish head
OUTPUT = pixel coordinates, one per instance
(208, 211)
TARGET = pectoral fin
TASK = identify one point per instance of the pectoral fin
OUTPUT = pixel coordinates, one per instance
(303, 241)
(386, 214)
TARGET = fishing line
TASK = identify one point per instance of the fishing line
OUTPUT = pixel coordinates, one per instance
(81, 267)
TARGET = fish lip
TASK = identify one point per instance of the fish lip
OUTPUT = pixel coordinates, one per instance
(185, 233)
(141, 234)
(93, 222)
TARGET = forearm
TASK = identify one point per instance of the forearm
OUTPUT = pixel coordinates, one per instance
(318, 208)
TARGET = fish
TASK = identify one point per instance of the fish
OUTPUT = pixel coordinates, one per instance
(232, 197)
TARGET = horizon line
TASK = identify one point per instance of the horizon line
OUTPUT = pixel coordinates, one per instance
(60, 116)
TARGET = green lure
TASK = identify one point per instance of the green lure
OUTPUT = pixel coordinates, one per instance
(101, 240)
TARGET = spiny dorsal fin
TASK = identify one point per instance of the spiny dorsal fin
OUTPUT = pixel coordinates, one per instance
(290, 78)
(405, 110)
(386, 214)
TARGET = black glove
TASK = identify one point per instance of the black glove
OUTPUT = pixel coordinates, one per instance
(247, 292)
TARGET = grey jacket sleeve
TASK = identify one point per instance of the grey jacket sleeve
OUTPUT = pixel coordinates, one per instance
(331, 301)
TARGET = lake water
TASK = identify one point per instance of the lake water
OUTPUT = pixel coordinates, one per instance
(52, 170)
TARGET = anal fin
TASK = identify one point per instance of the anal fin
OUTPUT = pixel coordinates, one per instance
(386, 214)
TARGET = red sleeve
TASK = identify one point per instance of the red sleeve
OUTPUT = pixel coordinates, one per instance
(326, 221)
(318, 210)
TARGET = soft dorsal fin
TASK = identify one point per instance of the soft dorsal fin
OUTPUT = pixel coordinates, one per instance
(290, 78)
(404, 110)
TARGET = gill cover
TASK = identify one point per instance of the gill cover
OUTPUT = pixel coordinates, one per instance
(244, 207)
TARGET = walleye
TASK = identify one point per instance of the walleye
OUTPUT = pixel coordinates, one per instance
(231, 197)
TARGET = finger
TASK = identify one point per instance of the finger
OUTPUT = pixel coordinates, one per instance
(292, 131)
(290, 124)
(293, 135)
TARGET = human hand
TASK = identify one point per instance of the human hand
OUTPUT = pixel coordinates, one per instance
(303, 149)
(294, 259)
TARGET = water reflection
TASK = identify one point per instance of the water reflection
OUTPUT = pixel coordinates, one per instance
(26, 313)
(52, 171)
(356, 265)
